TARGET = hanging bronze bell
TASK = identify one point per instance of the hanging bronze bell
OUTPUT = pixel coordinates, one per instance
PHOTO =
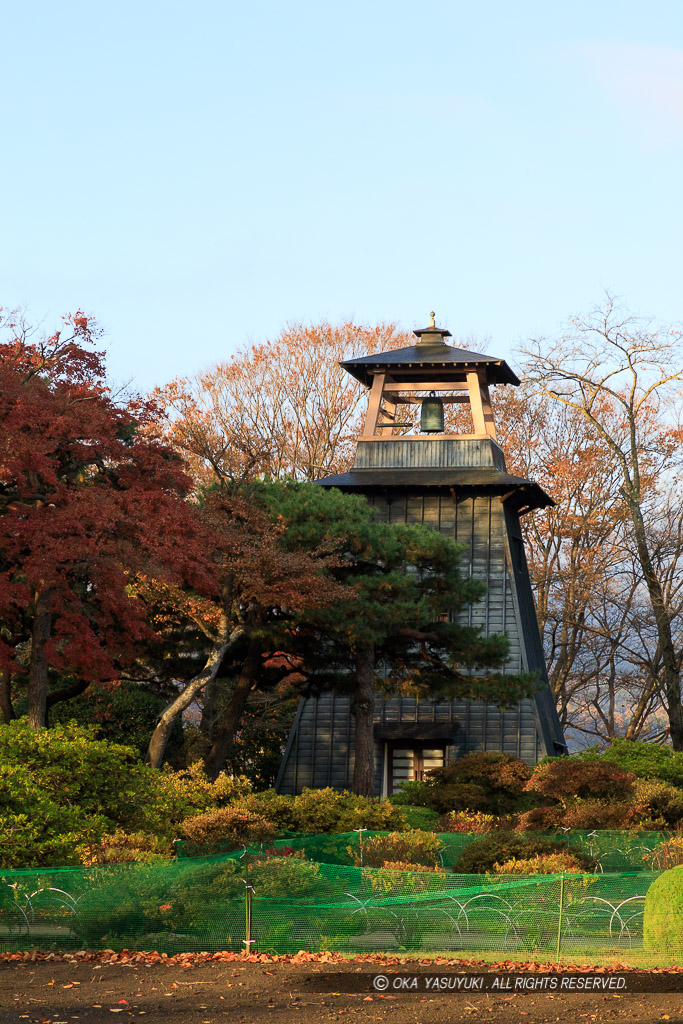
(431, 417)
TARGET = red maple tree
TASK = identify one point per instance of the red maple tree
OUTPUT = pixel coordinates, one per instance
(89, 496)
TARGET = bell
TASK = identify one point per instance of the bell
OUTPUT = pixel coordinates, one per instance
(431, 418)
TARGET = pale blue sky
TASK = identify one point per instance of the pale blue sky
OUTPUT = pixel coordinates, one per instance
(196, 175)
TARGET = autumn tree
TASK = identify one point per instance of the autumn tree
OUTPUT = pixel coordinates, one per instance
(89, 495)
(281, 408)
(263, 586)
(622, 376)
(578, 561)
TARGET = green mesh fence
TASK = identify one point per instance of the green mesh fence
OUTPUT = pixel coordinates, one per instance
(201, 903)
(611, 850)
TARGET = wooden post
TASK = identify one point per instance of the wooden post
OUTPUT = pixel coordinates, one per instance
(488, 411)
(473, 386)
(373, 406)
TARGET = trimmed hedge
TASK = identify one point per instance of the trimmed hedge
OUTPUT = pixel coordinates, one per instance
(663, 921)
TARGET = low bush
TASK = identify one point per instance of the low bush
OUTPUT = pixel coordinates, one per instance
(570, 778)
(420, 817)
(645, 760)
(480, 856)
(226, 828)
(541, 819)
(540, 864)
(413, 793)
(125, 848)
(285, 878)
(657, 805)
(62, 790)
(585, 815)
(36, 827)
(276, 807)
(490, 782)
(668, 854)
(663, 918)
(412, 847)
(322, 811)
(326, 810)
(410, 881)
(474, 822)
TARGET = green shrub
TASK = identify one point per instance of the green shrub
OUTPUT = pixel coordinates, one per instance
(320, 811)
(125, 848)
(645, 760)
(480, 856)
(36, 827)
(420, 817)
(275, 807)
(76, 770)
(663, 920)
(412, 793)
(189, 791)
(281, 878)
(413, 847)
(226, 828)
(62, 790)
(120, 711)
(657, 805)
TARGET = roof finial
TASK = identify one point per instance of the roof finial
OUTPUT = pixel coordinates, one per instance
(432, 321)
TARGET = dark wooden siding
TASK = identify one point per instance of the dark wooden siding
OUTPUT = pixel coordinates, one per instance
(320, 747)
(443, 454)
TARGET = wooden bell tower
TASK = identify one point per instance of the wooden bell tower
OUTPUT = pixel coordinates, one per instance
(428, 454)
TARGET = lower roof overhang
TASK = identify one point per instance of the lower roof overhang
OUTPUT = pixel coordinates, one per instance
(520, 494)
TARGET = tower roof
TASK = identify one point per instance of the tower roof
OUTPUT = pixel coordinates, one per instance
(430, 353)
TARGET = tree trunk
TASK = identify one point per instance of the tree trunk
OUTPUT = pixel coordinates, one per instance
(6, 708)
(38, 668)
(230, 720)
(670, 679)
(168, 717)
(363, 710)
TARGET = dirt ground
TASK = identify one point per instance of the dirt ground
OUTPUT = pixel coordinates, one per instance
(283, 993)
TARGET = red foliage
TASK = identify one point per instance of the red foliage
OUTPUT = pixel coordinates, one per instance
(571, 777)
(89, 495)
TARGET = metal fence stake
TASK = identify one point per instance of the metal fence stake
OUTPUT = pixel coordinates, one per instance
(360, 832)
(249, 889)
(559, 923)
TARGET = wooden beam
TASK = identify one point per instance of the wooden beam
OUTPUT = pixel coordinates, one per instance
(448, 400)
(428, 437)
(428, 385)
